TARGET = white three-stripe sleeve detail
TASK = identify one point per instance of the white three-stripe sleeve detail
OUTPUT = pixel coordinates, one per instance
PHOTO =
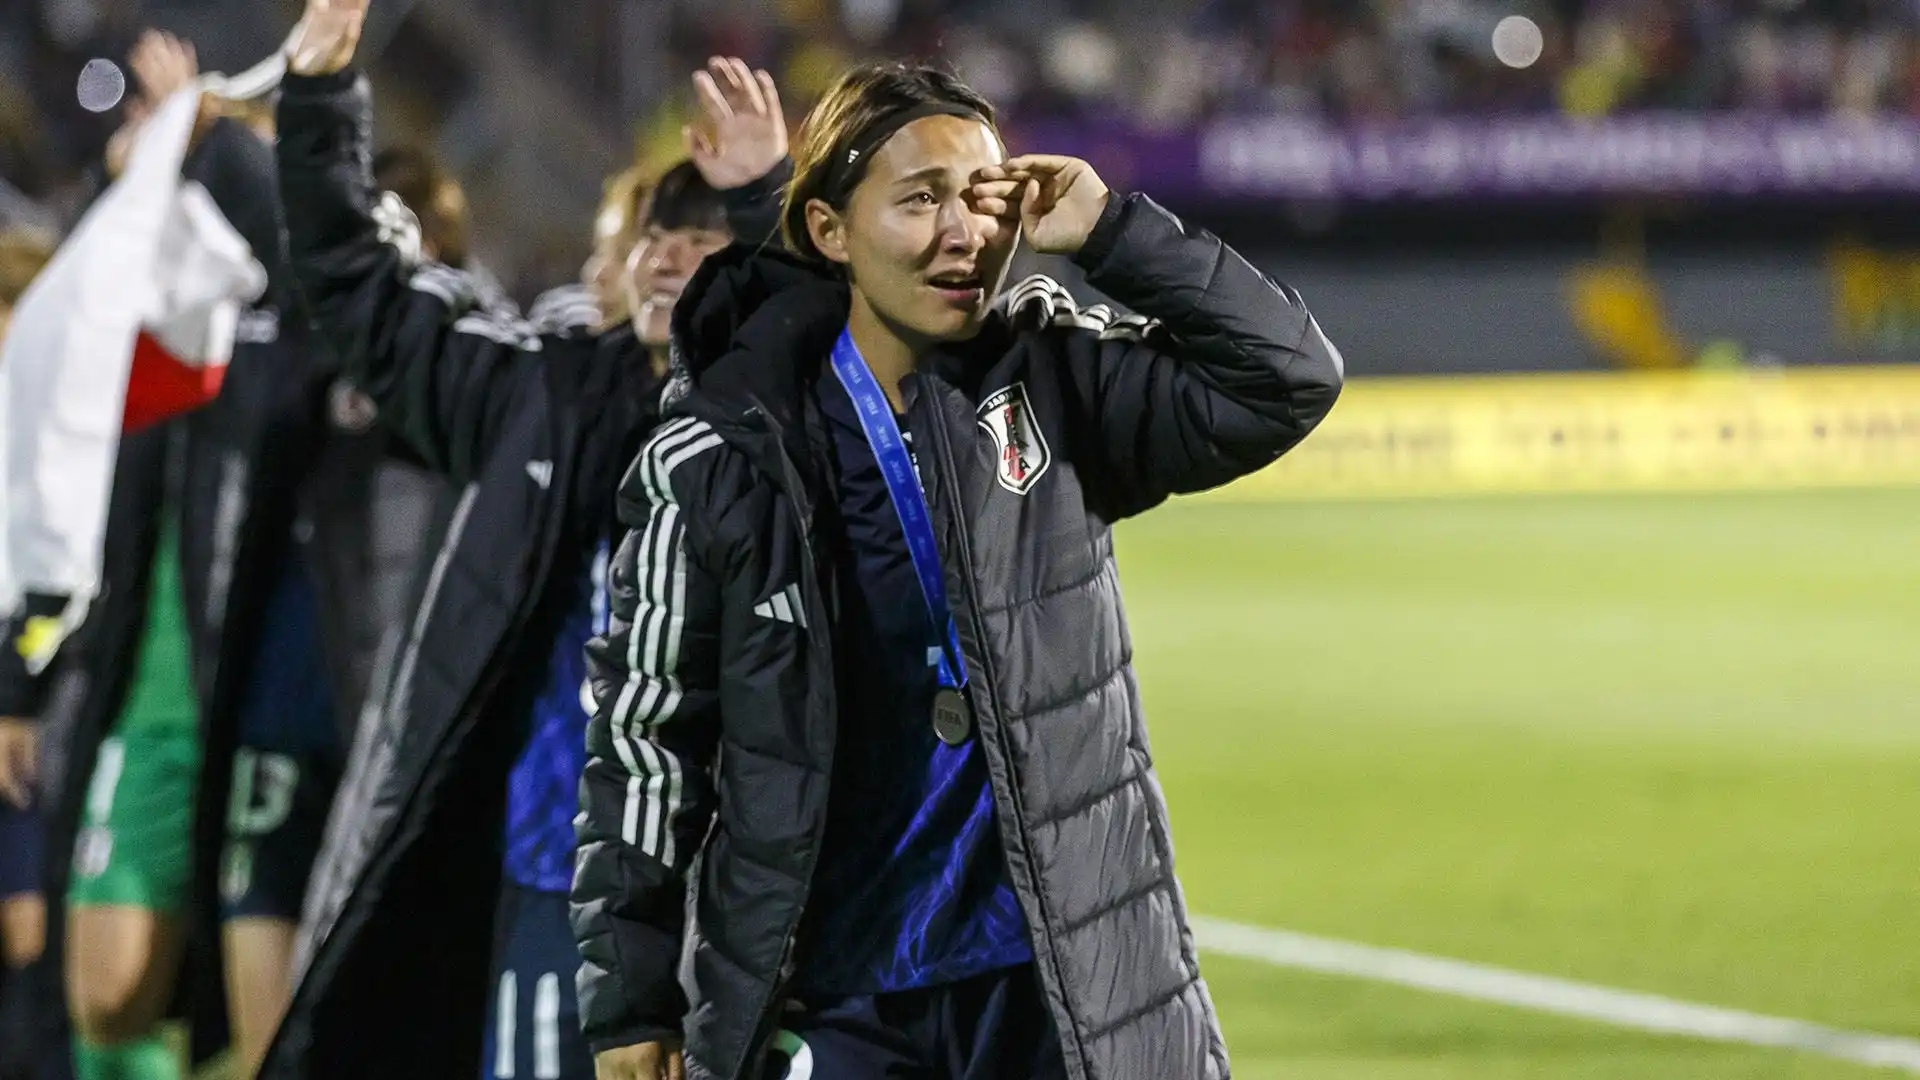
(630, 811)
(506, 1008)
(652, 694)
(546, 1027)
(623, 701)
(670, 436)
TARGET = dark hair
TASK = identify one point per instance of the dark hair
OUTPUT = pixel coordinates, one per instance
(431, 192)
(868, 96)
(683, 199)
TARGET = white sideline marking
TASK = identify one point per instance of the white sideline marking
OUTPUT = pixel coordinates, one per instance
(1625, 1008)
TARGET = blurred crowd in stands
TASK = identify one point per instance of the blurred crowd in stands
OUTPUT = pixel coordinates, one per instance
(1169, 63)
(1155, 64)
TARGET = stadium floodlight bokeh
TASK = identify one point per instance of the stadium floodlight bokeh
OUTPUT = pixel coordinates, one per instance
(102, 85)
(1517, 41)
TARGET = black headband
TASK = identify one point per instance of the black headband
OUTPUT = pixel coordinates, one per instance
(849, 162)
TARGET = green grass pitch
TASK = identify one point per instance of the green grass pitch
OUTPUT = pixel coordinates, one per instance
(1664, 743)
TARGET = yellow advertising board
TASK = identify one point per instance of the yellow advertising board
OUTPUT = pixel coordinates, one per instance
(1595, 432)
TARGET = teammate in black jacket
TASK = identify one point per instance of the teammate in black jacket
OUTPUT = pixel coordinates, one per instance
(903, 733)
(243, 573)
(535, 427)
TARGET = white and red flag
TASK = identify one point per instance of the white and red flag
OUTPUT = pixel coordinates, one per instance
(132, 322)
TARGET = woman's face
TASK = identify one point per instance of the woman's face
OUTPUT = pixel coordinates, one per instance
(915, 248)
(658, 269)
(605, 271)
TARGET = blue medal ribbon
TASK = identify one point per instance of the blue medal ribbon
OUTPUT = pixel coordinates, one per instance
(909, 500)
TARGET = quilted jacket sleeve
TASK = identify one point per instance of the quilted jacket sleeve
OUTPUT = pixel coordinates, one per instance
(647, 796)
(753, 210)
(1226, 371)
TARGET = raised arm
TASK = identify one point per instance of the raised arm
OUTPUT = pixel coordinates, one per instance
(412, 334)
(738, 141)
(1225, 371)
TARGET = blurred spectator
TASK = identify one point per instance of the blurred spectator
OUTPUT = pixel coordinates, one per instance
(22, 253)
(430, 191)
(23, 150)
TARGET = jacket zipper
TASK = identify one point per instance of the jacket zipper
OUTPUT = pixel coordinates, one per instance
(1043, 958)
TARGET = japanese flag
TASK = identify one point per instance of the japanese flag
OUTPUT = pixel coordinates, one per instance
(132, 322)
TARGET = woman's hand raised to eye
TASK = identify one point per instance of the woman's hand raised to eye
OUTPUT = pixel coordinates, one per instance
(1058, 199)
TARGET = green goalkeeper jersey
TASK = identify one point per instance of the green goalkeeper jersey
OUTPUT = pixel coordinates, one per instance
(161, 697)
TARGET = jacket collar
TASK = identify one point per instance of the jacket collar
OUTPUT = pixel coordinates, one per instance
(755, 326)
(751, 331)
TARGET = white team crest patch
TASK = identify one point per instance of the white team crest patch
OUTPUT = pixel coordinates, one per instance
(351, 410)
(1022, 449)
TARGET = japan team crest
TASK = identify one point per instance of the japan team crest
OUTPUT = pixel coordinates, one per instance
(1023, 452)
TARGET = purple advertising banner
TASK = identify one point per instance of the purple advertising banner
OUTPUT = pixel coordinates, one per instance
(1674, 154)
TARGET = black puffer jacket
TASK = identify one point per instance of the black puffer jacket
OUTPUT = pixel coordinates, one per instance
(715, 725)
(236, 474)
(534, 429)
